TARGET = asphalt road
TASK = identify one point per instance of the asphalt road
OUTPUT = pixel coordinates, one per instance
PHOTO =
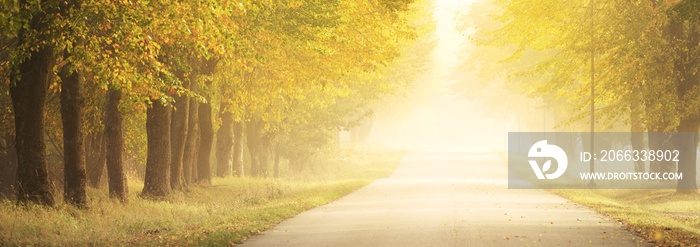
(447, 198)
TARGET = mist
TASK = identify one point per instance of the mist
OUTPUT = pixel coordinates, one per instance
(437, 115)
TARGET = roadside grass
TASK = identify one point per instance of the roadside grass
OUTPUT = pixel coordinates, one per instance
(661, 216)
(227, 212)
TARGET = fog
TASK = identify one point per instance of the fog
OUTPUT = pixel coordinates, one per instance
(447, 119)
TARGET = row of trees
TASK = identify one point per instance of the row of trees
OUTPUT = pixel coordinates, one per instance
(159, 81)
(646, 56)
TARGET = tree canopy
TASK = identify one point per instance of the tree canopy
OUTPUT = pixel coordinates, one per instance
(642, 56)
(189, 72)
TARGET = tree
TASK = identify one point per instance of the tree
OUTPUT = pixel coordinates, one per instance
(264, 68)
(684, 37)
(648, 48)
(237, 162)
(320, 54)
(75, 175)
(206, 128)
(178, 136)
(72, 115)
(28, 91)
(206, 139)
(191, 151)
(95, 157)
(157, 181)
(224, 143)
(115, 147)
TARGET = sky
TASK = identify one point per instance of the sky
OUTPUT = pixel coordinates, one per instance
(451, 121)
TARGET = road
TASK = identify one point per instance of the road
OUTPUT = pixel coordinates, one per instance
(447, 198)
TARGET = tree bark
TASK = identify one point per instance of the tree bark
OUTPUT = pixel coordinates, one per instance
(178, 136)
(259, 147)
(238, 168)
(8, 166)
(95, 157)
(28, 92)
(157, 180)
(685, 40)
(115, 147)
(661, 141)
(224, 143)
(206, 131)
(277, 160)
(265, 152)
(298, 164)
(687, 145)
(189, 163)
(253, 141)
(72, 117)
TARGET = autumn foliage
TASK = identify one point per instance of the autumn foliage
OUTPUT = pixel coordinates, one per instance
(159, 88)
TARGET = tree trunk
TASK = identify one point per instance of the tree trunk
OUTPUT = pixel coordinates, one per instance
(637, 134)
(189, 163)
(685, 39)
(637, 140)
(206, 129)
(95, 157)
(74, 174)
(114, 136)
(238, 168)
(253, 141)
(178, 136)
(8, 166)
(28, 92)
(206, 140)
(259, 147)
(157, 180)
(686, 143)
(277, 160)
(660, 141)
(298, 164)
(224, 143)
(265, 153)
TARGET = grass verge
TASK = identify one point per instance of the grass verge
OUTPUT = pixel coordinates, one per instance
(227, 212)
(661, 216)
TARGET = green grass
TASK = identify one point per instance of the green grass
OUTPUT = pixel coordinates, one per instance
(662, 216)
(227, 212)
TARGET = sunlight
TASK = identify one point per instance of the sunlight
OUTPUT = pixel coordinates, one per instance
(446, 120)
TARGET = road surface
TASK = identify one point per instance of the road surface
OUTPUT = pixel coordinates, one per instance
(447, 198)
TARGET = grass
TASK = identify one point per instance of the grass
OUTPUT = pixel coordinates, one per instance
(661, 216)
(225, 213)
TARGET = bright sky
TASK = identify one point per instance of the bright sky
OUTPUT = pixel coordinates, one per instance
(451, 122)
